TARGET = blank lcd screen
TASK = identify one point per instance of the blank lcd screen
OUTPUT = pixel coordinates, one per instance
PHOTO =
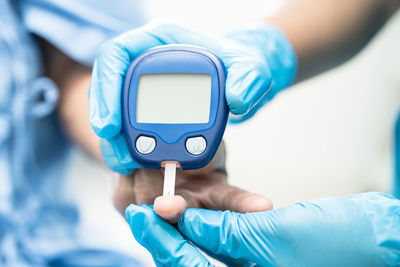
(173, 98)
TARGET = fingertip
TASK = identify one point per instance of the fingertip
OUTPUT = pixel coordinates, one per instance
(236, 119)
(236, 102)
(246, 85)
(254, 203)
(228, 197)
(170, 208)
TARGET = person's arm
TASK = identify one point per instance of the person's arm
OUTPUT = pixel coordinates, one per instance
(73, 81)
(325, 33)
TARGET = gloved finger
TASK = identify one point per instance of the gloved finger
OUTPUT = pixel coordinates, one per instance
(248, 76)
(255, 108)
(110, 159)
(228, 197)
(275, 50)
(120, 147)
(167, 246)
(111, 64)
(248, 80)
(236, 119)
(241, 118)
(223, 233)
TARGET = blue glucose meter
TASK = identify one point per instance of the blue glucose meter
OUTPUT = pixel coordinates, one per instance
(174, 107)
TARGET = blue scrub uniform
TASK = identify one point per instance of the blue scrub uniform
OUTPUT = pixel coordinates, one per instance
(37, 223)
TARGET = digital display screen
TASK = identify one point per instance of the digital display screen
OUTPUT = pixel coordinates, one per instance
(173, 98)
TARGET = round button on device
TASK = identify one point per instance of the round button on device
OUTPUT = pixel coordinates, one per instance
(196, 145)
(145, 145)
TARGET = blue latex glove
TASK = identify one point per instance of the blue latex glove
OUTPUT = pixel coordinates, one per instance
(259, 61)
(359, 230)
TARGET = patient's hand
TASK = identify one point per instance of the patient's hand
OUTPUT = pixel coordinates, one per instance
(203, 188)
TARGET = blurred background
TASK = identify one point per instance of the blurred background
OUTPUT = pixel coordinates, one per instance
(331, 135)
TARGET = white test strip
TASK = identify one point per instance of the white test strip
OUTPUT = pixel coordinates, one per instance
(169, 179)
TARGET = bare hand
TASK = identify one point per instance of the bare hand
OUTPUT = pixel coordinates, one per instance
(203, 188)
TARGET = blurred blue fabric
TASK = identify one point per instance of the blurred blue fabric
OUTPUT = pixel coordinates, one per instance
(37, 222)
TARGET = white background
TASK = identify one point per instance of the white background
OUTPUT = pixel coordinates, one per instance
(331, 135)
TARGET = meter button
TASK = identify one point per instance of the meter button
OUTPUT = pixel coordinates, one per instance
(145, 145)
(196, 145)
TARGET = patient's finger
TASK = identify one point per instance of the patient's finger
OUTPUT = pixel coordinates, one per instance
(228, 197)
(216, 197)
(141, 187)
(124, 193)
(148, 185)
(167, 246)
(170, 208)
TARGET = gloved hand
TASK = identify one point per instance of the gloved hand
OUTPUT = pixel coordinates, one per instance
(259, 61)
(359, 230)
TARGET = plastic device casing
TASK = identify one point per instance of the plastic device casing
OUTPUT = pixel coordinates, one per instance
(171, 138)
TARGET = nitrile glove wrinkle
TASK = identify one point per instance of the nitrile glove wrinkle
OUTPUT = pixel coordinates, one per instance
(359, 230)
(259, 61)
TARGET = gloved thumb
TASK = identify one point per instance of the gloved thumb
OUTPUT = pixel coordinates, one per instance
(224, 233)
(248, 79)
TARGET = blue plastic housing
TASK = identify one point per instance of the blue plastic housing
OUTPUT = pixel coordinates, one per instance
(171, 138)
